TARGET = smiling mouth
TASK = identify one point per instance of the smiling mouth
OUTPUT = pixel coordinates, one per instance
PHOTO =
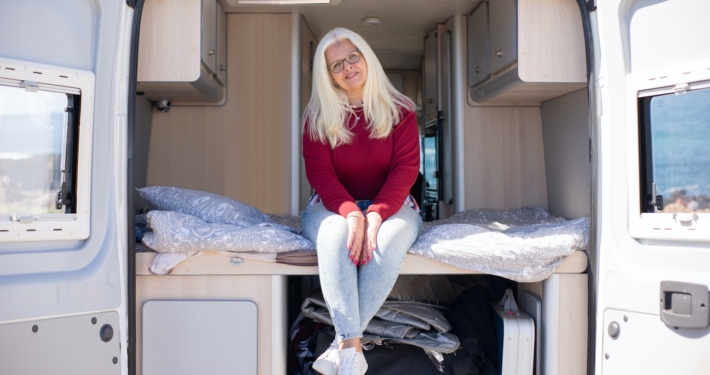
(352, 75)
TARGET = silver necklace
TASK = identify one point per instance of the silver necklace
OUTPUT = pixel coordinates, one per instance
(358, 111)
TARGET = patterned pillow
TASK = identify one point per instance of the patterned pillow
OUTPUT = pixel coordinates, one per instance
(175, 232)
(212, 208)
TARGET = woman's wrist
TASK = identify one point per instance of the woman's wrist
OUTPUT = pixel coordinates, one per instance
(357, 214)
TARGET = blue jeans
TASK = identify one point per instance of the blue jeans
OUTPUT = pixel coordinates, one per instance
(354, 294)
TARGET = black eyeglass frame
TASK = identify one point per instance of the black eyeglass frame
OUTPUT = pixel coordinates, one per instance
(359, 54)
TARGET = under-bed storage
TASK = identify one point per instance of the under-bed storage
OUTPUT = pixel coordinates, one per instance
(212, 277)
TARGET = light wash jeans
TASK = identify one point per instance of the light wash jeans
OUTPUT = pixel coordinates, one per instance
(354, 295)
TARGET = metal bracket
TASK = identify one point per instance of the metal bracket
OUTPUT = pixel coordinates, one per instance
(684, 305)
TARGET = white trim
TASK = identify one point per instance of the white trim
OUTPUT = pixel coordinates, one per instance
(57, 79)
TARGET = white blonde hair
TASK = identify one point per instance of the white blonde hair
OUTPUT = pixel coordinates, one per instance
(328, 109)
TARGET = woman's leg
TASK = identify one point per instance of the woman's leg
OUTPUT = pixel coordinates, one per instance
(377, 277)
(338, 274)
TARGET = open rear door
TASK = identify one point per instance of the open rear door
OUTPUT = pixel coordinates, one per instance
(653, 115)
(64, 82)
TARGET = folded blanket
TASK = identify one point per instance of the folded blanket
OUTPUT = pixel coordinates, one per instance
(380, 331)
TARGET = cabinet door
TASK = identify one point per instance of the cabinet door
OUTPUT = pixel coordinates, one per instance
(502, 15)
(209, 34)
(430, 89)
(478, 45)
(221, 72)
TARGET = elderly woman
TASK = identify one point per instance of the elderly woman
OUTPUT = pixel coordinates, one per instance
(361, 152)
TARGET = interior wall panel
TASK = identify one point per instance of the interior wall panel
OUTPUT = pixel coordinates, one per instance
(565, 126)
(504, 165)
(243, 149)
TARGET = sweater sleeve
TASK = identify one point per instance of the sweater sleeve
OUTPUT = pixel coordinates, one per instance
(320, 171)
(403, 170)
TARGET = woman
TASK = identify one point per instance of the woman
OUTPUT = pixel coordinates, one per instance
(361, 152)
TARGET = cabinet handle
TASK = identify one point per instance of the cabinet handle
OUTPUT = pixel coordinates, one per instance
(430, 100)
(223, 67)
(478, 70)
(499, 53)
(211, 52)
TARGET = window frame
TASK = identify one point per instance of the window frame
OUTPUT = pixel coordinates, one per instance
(67, 226)
(659, 225)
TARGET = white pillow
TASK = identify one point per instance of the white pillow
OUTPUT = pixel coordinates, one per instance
(176, 232)
(210, 207)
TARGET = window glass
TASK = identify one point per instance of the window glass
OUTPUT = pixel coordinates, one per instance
(430, 163)
(32, 141)
(679, 129)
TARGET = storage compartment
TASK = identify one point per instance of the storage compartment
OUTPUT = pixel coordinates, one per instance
(525, 51)
(184, 337)
(182, 51)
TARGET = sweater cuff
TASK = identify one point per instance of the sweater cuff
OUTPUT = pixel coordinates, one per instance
(383, 209)
(347, 207)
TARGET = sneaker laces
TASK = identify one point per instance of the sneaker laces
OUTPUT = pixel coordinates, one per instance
(348, 366)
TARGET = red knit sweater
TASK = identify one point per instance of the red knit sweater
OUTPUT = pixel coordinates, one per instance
(381, 170)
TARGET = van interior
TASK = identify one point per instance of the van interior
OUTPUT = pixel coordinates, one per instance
(501, 93)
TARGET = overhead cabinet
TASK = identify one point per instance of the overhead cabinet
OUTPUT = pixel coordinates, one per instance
(183, 51)
(525, 50)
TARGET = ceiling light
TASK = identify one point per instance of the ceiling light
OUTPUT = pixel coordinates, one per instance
(281, 2)
(372, 21)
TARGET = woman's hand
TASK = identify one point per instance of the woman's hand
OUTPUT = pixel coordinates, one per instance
(369, 243)
(356, 233)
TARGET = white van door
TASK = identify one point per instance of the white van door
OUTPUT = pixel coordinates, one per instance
(64, 81)
(653, 225)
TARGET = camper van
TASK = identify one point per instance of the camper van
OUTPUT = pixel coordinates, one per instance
(591, 112)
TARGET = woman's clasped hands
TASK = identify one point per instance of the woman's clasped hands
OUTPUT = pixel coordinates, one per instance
(362, 236)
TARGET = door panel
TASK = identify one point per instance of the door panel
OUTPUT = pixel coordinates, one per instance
(68, 277)
(647, 346)
(77, 345)
(638, 59)
(59, 285)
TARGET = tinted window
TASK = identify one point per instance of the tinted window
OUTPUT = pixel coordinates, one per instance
(676, 154)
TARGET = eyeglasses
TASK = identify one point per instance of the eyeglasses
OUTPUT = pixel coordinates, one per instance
(352, 58)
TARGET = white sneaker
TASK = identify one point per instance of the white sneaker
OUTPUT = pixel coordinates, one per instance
(351, 362)
(327, 363)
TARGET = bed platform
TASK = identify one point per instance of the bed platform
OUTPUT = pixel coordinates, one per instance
(218, 263)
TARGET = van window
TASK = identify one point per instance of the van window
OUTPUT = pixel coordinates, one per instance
(37, 151)
(675, 162)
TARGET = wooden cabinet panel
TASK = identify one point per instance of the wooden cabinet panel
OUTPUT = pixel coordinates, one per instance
(430, 76)
(208, 48)
(478, 70)
(503, 31)
(221, 67)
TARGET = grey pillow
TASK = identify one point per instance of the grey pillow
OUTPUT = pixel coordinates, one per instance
(177, 232)
(210, 207)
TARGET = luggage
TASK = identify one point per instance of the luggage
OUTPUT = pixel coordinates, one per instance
(515, 333)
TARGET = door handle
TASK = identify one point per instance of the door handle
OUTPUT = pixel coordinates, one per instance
(684, 304)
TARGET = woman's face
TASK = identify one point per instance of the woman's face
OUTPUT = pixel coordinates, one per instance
(352, 77)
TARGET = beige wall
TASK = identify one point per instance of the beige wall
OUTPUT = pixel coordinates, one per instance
(565, 125)
(504, 164)
(243, 149)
